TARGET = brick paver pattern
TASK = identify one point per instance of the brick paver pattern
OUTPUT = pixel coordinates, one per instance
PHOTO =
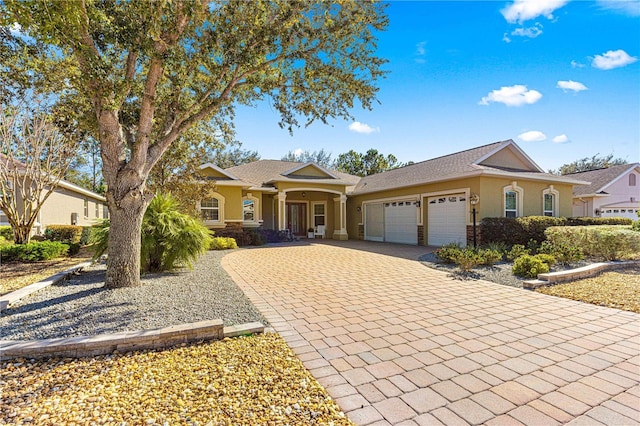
(395, 342)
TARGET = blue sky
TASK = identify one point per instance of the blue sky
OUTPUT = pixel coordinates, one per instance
(561, 78)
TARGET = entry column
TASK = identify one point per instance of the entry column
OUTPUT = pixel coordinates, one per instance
(282, 211)
(340, 233)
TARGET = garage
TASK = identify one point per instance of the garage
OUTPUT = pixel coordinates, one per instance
(392, 222)
(401, 222)
(629, 213)
(446, 216)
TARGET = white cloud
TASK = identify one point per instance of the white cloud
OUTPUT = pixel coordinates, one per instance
(15, 29)
(506, 38)
(571, 85)
(297, 152)
(626, 7)
(358, 127)
(560, 139)
(524, 10)
(613, 59)
(420, 50)
(512, 96)
(575, 64)
(531, 32)
(532, 136)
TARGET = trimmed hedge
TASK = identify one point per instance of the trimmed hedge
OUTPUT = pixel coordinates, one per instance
(70, 234)
(222, 243)
(522, 230)
(34, 251)
(603, 242)
(252, 237)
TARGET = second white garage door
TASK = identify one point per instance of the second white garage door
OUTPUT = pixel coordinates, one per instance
(401, 222)
(446, 220)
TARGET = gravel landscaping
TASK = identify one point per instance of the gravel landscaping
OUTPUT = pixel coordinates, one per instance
(254, 380)
(82, 306)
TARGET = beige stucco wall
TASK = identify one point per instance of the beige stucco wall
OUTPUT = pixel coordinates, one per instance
(490, 190)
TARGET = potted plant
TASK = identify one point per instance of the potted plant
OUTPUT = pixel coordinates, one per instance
(310, 233)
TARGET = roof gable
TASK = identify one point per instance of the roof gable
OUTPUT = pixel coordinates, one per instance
(508, 156)
(309, 170)
(601, 179)
(211, 171)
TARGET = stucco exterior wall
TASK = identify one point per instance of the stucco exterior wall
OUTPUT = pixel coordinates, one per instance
(620, 191)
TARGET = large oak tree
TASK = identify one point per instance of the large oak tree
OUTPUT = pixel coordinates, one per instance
(148, 71)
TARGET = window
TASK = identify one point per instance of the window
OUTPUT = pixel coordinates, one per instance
(86, 208)
(548, 205)
(97, 210)
(248, 210)
(318, 214)
(550, 198)
(510, 204)
(210, 209)
(512, 195)
(632, 179)
(105, 211)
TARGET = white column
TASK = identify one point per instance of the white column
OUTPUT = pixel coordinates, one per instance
(282, 211)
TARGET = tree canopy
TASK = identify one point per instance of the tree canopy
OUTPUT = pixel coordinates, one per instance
(587, 164)
(138, 75)
(366, 164)
(320, 157)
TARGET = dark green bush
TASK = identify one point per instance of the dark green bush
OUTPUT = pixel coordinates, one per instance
(529, 266)
(502, 230)
(86, 235)
(600, 242)
(34, 251)
(169, 238)
(69, 234)
(222, 243)
(534, 226)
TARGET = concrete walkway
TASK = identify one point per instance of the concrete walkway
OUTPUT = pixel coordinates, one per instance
(395, 342)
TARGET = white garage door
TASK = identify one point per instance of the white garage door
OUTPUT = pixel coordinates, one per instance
(620, 212)
(401, 222)
(374, 222)
(447, 220)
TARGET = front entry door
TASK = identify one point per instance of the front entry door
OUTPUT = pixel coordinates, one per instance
(297, 218)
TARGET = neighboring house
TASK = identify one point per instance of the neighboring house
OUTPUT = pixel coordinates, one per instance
(613, 192)
(68, 204)
(423, 203)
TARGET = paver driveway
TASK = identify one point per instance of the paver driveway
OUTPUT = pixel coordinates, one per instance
(395, 342)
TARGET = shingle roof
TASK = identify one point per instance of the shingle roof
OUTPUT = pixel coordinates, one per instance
(599, 178)
(262, 172)
(452, 166)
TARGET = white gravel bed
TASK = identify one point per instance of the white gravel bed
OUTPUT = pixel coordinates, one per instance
(81, 305)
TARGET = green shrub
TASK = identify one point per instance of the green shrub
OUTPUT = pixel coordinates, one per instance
(500, 246)
(528, 266)
(549, 259)
(516, 251)
(467, 259)
(448, 253)
(601, 242)
(562, 252)
(533, 227)
(169, 238)
(85, 236)
(505, 230)
(6, 232)
(69, 234)
(636, 225)
(489, 256)
(34, 251)
(222, 243)
(599, 221)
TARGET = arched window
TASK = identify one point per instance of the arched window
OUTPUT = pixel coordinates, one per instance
(212, 209)
(250, 208)
(550, 198)
(632, 179)
(512, 196)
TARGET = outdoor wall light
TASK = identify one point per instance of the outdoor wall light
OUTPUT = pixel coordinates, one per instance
(304, 194)
(358, 209)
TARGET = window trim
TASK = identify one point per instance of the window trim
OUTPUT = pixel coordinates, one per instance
(220, 199)
(86, 208)
(313, 212)
(632, 179)
(556, 201)
(519, 198)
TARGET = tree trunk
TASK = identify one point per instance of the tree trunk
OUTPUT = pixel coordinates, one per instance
(123, 263)
(21, 234)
